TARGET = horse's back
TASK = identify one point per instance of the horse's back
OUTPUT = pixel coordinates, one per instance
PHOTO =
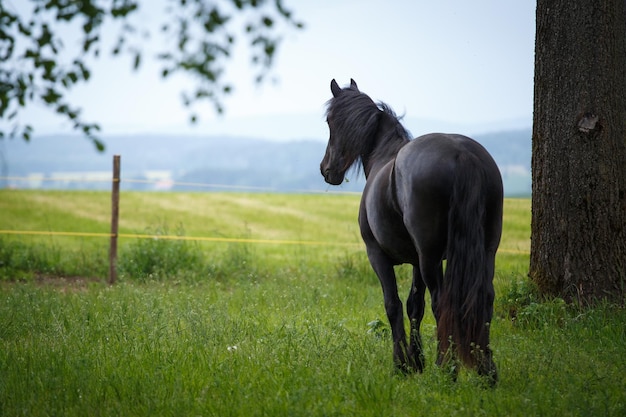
(431, 162)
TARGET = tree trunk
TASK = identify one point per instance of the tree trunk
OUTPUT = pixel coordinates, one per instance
(578, 248)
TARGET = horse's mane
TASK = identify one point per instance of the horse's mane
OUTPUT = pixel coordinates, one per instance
(356, 118)
(398, 132)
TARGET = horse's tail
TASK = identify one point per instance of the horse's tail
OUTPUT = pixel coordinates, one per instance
(464, 306)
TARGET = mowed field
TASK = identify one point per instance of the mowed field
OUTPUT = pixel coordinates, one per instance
(280, 226)
(270, 308)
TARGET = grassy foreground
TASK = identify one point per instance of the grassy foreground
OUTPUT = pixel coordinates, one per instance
(255, 328)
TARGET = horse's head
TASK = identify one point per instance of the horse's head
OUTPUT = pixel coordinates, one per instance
(340, 154)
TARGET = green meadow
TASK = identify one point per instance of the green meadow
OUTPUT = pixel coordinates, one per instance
(232, 304)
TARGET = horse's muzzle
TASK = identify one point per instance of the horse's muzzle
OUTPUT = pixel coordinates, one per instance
(332, 177)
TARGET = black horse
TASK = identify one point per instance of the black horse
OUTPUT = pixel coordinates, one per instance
(437, 197)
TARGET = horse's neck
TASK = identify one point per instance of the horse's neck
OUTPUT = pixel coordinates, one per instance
(387, 145)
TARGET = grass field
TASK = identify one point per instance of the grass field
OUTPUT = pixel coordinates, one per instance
(252, 327)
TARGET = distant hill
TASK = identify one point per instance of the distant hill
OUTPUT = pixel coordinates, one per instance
(172, 162)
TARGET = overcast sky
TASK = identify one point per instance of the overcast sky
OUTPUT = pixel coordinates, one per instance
(443, 64)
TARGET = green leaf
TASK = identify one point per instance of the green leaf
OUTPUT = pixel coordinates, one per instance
(137, 60)
(84, 71)
(124, 10)
(24, 30)
(99, 144)
(47, 64)
(51, 96)
(45, 38)
(31, 54)
(89, 42)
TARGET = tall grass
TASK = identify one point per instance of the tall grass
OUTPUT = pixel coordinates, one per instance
(197, 328)
(277, 349)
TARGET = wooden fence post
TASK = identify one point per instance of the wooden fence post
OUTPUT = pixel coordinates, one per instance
(115, 213)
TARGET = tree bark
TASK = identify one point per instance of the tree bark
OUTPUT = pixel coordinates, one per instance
(578, 237)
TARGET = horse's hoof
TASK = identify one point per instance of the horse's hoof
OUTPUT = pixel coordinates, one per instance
(406, 369)
(489, 374)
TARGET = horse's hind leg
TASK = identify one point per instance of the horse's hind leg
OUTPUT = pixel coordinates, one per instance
(393, 306)
(432, 271)
(486, 367)
(415, 310)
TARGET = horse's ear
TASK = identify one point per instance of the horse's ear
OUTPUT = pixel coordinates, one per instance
(353, 85)
(334, 87)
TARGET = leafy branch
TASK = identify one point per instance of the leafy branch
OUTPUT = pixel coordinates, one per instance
(33, 43)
